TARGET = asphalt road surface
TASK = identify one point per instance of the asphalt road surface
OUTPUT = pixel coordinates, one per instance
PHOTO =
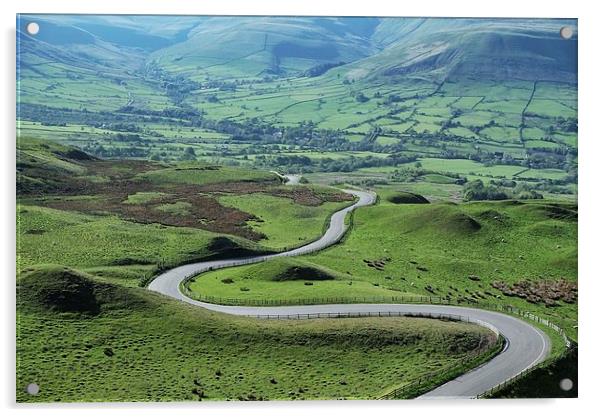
(525, 344)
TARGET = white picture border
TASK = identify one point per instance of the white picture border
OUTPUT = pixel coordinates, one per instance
(590, 214)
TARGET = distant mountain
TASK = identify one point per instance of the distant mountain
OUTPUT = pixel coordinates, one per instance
(503, 49)
(240, 47)
(224, 46)
(74, 46)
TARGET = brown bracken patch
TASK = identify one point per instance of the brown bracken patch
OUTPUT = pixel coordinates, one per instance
(109, 183)
(548, 292)
(308, 196)
(301, 195)
(205, 212)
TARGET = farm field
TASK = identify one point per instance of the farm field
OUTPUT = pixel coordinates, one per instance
(488, 136)
(492, 127)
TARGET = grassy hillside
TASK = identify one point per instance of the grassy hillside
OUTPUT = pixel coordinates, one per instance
(127, 220)
(120, 251)
(118, 200)
(284, 281)
(506, 252)
(85, 243)
(81, 340)
(279, 218)
(476, 48)
(251, 48)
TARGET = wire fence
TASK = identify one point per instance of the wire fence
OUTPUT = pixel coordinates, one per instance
(321, 300)
(492, 391)
(478, 355)
(329, 315)
(456, 369)
(431, 379)
(427, 379)
(401, 299)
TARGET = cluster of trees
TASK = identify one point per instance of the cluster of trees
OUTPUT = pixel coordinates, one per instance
(129, 137)
(412, 174)
(393, 98)
(119, 127)
(568, 124)
(53, 116)
(321, 69)
(477, 129)
(176, 86)
(212, 98)
(450, 123)
(303, 163)
(117, 152)
(476, 190)
(46, 123)
(361, 97)
(189, 154)
(559, 124)
(188, 115)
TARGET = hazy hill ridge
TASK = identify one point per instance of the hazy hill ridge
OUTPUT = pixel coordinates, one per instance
(390, 48)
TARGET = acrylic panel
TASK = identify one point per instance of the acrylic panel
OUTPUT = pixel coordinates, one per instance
(216, 208)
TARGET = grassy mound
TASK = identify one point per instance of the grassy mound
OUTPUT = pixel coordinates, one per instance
(553, 211)
(435, 249)
(288, 270)
(462, 223)
(559, 212)
(75, 154)
(60, 289)
(291, 270)
(222, 246)
(403, 197)
(302, 272)
(444, 217)
(45, 165)
(491, 214)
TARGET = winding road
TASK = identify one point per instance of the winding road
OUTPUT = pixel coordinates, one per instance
(526, 345)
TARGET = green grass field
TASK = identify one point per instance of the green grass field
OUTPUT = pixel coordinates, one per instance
(464, 166)
(281, 280)
(484, 116)
(198, 174)
(122, 251)
(125, 227)
(80, 309)
(282, 220)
